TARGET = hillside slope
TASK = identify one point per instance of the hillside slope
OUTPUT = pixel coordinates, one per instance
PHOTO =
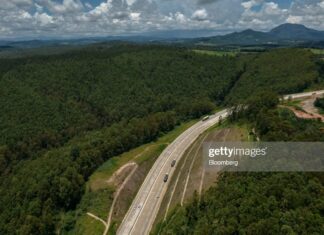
(283, 71)
(64, 115)
(263, 202)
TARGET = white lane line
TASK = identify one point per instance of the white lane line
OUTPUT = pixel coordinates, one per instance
(130, 213)
(177, 180)
(204, 126)
(128, 222)
(153, 213)
(159, 173)
(191, 165)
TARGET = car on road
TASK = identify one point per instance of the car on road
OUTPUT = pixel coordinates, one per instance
(205, 118)
(173, 163)
(166, 177)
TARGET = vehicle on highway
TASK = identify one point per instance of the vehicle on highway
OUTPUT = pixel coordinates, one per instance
(173, 163)
(166, 177)
(205, 118)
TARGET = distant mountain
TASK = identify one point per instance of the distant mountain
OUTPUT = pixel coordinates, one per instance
(283, 34)
(248, 36)
(296, 32)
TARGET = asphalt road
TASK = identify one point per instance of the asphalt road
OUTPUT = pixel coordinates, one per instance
(143, 211)
(303, 95)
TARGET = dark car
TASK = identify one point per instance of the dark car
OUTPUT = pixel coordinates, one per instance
(165, 179)
(173, 163)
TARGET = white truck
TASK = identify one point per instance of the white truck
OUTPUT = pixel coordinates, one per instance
(205, 118)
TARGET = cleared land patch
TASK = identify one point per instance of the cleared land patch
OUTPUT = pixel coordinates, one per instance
(216, 53)
(304, 108)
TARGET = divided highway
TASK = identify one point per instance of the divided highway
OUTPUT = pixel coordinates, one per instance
(143, 211)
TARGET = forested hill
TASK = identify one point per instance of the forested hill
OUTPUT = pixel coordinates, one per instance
(259, 202)
(63, 115)
(282, 71)
(85, 90)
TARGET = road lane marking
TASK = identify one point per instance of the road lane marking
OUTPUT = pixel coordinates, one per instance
(153, 172)
(190, 168)
(197, 129)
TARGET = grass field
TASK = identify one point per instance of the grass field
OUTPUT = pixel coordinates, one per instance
(318, 51)
(294, 103)
(216, 53)
(99, 191)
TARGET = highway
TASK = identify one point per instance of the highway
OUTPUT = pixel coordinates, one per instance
(303, 95)
(143, 211)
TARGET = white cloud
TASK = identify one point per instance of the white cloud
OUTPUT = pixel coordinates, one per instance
(272, 8)
(200, 14)
(268, 15)
(321, 4)
(130, 2)
(39, 8)
(251, 3)
(67, 6)
(135, 16)
(82, 17)
(179, 17)
(102, 9)
(43, 19)
(5, 4)
(294, 19)
(88, 5)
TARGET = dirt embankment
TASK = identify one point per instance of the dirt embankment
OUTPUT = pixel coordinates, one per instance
(307, 109)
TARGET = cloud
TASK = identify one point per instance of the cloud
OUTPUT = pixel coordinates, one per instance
(251, 3)
(43, 19)
(179, 17)
(268, 15)
(38, 7)
(5, 4)
(100, 10)
(88, 5)
(200, 15)
(294, 19)
(22, 3)
(135, 16)
(67, 6)
(130, 2)
(121, 15)
(77, 18)
(203, 2)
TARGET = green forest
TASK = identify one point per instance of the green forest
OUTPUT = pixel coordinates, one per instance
(63, 115)
(319, 103)
(259, 203)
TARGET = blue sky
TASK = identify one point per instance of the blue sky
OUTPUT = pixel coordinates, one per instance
(84, 18)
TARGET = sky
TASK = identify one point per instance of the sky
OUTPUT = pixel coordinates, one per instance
(91, 18)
